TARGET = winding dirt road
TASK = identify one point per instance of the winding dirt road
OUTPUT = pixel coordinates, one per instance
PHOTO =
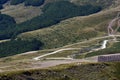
(37, 58)
(55, 52)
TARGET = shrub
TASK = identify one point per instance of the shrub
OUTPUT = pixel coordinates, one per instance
(18, 46)
(34, 2)
(15, 2)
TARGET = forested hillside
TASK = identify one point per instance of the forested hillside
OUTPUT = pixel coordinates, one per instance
(52, 13)
(73, 30)
(6, 21)
(15, 2)
(13, 47)
(28, 2)
(64, 10)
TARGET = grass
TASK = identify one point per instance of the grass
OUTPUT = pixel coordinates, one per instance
(86, 71)
(67, 32)
(115, 48)
(73, 30)
(20, 12)
(81, 46)
(20, 59)
(117, 70)
(63, 53)
(103, 3)
(70, 31)
(28, 58)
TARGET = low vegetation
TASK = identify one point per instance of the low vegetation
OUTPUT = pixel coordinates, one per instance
(73, 30)
(6, 21)
(34, 2)
(46, 20)
(91, 71)
(13, 47)
(21, 13)
(102, 3)
(28, 2)
(9, 28)
(5, 24)
(57, 32)
(115, 48)
(2, 2)
(15, 2)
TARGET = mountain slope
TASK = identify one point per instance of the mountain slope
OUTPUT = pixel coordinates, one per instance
(104, 3)
(46, 20)
(91, 71)
(73, 30)
(22, 13)
(67, 31)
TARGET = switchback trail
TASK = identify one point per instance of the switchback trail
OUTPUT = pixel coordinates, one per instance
(102, 47)
(37, 58)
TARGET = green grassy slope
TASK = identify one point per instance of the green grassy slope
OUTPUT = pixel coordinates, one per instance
(46, 20)
(103, 3)
(92, 71)
(73, 30)
(115, 48)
